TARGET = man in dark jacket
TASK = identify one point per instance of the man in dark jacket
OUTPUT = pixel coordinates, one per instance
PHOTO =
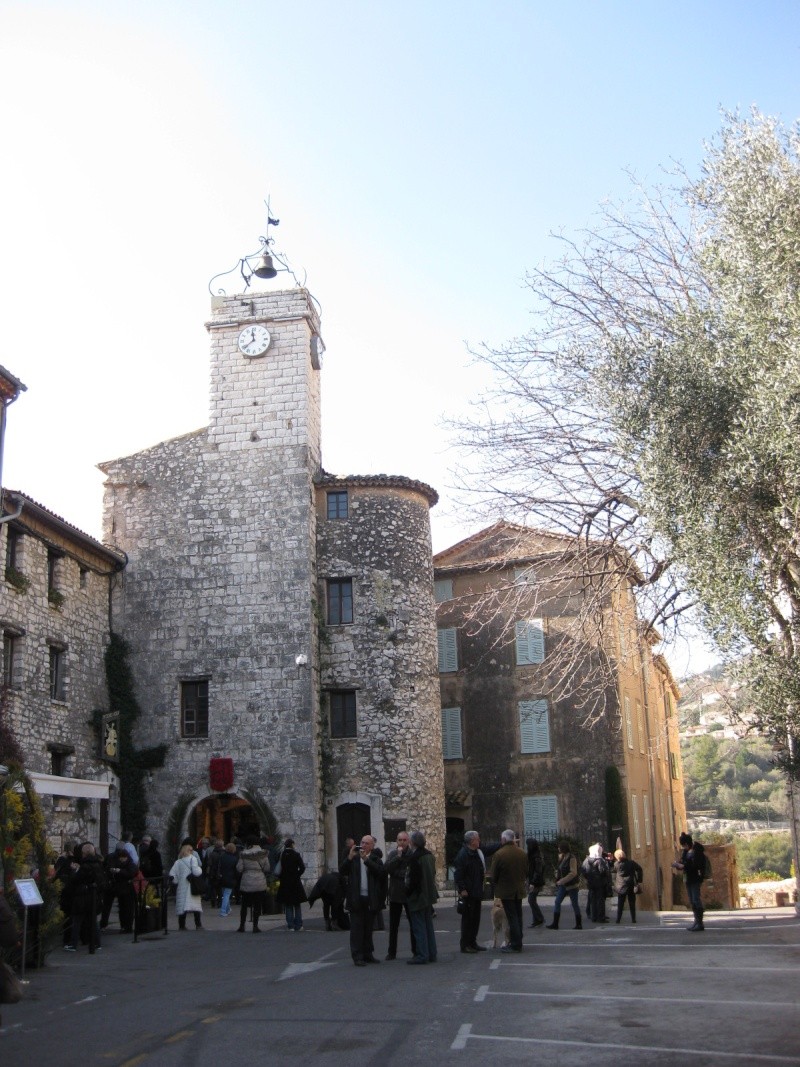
(470, 873)
(510, 877)
(396, 866)
(422, 895)
(120, 872)
(365, 892)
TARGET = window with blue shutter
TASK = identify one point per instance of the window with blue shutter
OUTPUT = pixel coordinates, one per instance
(530, 641)
(451, 733)
(534, 726)
(448, 650)
(540, 817)
(443, 590)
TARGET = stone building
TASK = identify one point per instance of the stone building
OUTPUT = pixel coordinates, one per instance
(54, 614)
(522, 749)
(281, 621)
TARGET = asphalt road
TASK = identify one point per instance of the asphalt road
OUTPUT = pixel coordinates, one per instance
(646, 994)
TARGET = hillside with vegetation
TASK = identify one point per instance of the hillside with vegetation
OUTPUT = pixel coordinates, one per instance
(730, 773)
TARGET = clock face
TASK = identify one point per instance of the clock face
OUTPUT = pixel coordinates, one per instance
(254, 340)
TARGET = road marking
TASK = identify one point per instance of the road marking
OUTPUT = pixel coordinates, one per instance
(465, 1033)
(677, 945)
(637, 967)
(638, 1000)
(211, 1019)
(481, 995)
(294, 970)
(179, 1036)
(135, 1060)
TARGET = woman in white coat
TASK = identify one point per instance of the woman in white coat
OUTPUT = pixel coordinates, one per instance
(185, 900)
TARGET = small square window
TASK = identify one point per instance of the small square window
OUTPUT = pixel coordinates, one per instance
(340, 600)
(194, 708)
(83, 577)
(58, 673)
(343, 713)
(337, 504)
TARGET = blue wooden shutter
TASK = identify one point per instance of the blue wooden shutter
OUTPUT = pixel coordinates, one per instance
(534, 726)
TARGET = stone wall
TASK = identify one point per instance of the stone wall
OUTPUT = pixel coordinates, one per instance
(387, 654)
(76, 623)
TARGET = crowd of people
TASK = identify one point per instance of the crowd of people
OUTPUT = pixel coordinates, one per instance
(355, 896)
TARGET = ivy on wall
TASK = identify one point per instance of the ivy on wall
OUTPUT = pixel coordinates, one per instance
(133, 763)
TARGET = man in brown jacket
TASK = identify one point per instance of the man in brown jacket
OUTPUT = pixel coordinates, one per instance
(509, 874)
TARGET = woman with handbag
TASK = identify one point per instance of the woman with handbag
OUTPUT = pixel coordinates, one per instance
(627, 883)
(187, 897)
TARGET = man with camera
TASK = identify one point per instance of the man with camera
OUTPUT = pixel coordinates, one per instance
(366, 889)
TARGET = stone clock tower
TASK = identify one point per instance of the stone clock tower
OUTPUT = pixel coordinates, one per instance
(280, 620)
(219, 594)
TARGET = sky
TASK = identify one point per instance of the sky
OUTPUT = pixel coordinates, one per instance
(420, 158)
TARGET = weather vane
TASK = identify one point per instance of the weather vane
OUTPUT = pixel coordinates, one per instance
(259, 264)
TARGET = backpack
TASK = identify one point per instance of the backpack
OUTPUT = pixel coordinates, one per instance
(704, 869)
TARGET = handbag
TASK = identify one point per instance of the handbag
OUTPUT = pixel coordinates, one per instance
(10, 985)
(460, 905)
(638, 887)
(197, 884)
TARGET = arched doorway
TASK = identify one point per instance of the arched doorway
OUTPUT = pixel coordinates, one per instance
(352, 820)
(224, 816)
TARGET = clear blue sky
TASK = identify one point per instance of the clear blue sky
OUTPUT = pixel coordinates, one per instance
(418, 156)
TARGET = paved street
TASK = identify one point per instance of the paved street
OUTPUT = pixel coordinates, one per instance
(646, 994)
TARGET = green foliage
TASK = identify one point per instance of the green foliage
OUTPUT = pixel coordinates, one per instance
(764, 852)
(739, 779)
(616, 807)
(267, 822)
(133, 764)
(175, 820)
(20, 582)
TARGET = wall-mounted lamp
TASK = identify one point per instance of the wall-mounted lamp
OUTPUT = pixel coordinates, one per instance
(301, 660)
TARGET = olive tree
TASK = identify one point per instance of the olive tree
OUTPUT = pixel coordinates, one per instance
(655, 406)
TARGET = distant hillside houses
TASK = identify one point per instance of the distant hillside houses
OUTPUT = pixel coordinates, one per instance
(712, 703)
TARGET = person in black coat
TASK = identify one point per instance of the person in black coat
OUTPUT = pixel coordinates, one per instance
(120, 872)
(627, 877)
(228, 876)
(469, 873)
(290, 891)
(329, 888)
(396, 867)
(366, 891)
(86, 893)
(535, 879)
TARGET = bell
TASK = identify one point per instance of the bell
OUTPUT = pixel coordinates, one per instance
(265, 268)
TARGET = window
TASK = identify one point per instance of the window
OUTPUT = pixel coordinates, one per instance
(194, 708)
(340, 600)
(524, 576)
(13, 542)
(52, 571)
(663, 818)
(628, 721)
(451, 733)
(534, 726)
(83, 577)
(337, 504)
(448, 650)
(646, 803)
(59, 754)
(530, 641)
(673, 766)
(58, 673)
(640, 726)
(668, 706)
(540, 817)
(443, 590)
(343, 713)
(637, 833)
(10, 656)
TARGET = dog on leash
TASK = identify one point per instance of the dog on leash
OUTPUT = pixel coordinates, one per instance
(499, 923)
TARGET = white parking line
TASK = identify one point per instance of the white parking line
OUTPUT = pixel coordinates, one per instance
(538, 964)
(484, 992)
(465, 1033)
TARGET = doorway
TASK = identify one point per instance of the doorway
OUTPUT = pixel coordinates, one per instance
(352, 820)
